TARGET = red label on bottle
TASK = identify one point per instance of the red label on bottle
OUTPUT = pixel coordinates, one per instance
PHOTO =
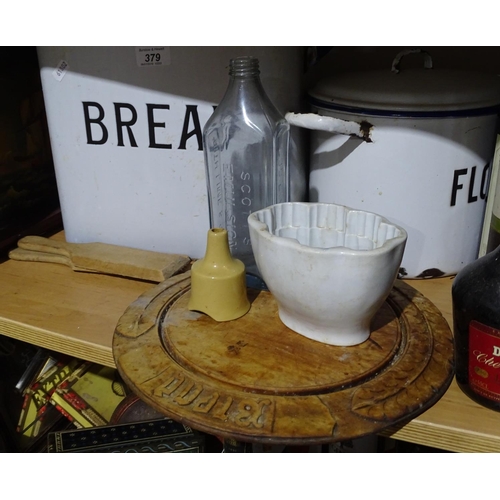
(484, 360)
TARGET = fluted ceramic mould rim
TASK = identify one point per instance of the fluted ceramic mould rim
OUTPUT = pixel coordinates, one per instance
(327, 227)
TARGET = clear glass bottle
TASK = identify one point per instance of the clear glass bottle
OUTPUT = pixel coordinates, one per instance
(245, 143)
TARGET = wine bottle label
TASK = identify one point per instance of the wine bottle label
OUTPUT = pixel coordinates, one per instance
(484, 360)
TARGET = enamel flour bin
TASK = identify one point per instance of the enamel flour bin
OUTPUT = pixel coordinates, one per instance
(126, 127)
(427, 166)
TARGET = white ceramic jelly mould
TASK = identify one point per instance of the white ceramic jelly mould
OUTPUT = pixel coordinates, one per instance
(328, 266)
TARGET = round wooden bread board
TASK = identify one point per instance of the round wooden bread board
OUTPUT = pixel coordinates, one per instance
(255, 380)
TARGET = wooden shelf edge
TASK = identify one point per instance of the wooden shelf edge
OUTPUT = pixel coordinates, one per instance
(50, 340)
(444, 438)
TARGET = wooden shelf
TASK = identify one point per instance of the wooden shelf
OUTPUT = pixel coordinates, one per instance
(51, 306)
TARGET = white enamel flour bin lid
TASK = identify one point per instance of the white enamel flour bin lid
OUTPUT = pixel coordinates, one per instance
(427, 167)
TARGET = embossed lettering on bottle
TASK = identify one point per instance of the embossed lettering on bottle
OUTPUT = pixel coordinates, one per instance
(246, 150)
(484, 360)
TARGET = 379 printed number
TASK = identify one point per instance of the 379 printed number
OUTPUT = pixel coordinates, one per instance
(153, 57)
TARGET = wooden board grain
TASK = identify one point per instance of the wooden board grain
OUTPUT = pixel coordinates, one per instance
(77, 314)
(253, 379)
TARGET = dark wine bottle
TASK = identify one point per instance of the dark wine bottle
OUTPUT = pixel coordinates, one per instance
(476, 319)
